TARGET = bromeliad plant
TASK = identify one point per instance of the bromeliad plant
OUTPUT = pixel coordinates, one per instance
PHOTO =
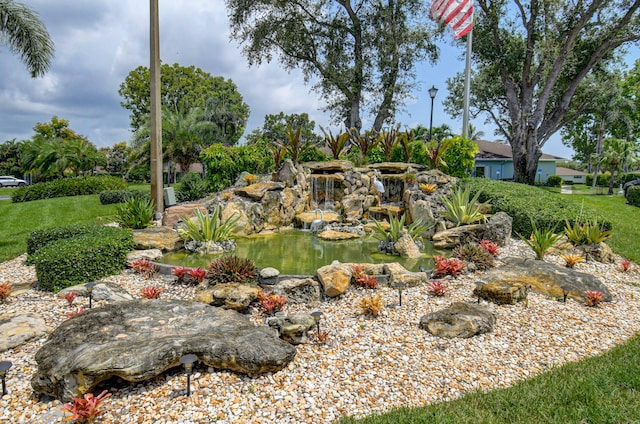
(144, 267)
(444, 266)
(492, 248)
(571, 259)
(462, 209)
(271, 303)
(472, 252)
(189, 276)
(362, 279)
(232, 269)
(593, 298)
(396, 228)
(208, 227)
(438, 288)
(626, 265)
(589, 232)
(75, 312)
(541, 240)
(5, 291)
(87, 408)
(428, 188)
(371, 305)
(151, 292)
(69, 297)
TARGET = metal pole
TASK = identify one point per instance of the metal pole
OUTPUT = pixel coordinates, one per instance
(155, 110)
(431, 119)
(467, 87)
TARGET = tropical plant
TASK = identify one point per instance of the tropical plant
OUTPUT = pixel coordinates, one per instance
(541, 240)
(435, 152)
(371, 305)
(444, 266)
(337, 144)
(362, 279)
(396, 226)
(271, 303)
(69, 297)
(473, 252)
(365, 142)
(208, 227)
(151, 292)
(75, 312)
(491, 247)
(625, 264)
(596, 232)
(26, 35)
(87, 408)
(135, 213)
(461, 209)
(232, 269)
(438, 288)
(428, 188)
(5, 291)
(191, 187)
(144, 267)
(571, 259)
(593, 298)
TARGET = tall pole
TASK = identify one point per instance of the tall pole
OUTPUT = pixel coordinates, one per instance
(156, 119)
(432, 93)
(467, 87)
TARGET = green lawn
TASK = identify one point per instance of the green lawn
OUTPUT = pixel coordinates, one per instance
(19, 219)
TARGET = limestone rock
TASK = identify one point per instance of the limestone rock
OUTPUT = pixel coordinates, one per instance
(298, 290)
(287, 173)
(498, 228)
(306, 218)
(456, 236)
(162, 238)
(269, 272)
(17, 329)
(353, 207)
(149, 254)
(547, 278)
(293, 328)
(234, 210)
(459, 320)
(336, 235)
(600, 252)
(141, 339)
(406, 247)
(22, 286)
(103, 290)
(399, 274)
(257, 191)
(503, 292)
(329, 166)
(335, 278)
(173, 214)
(234, 296)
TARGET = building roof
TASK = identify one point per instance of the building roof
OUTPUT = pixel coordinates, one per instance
(497, 151)
(560, 170)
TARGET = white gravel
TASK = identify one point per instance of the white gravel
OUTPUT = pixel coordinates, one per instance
(367, 366)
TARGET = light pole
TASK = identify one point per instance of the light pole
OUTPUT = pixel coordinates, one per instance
(432, 93)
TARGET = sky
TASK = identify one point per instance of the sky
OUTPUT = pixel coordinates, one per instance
(99, 42)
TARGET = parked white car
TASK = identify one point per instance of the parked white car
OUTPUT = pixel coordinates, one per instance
(8, 181)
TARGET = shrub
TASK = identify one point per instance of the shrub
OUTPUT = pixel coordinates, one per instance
(461, 208)
(438, 288)
(444, 266)
(593, 297)
(271, 303)
(526, 203)
(633, 196)
(139, 174)
(224, 164)
(371, 305)
(5, 291)
(76, 260)
(86, 409)
(191, 187)
(554, 181)
(232, 269)
(210, 227)
(109, 197)
(151, 292)
(472, 252)
(77, 186)
(541, 240)
(40, 238)
(135, 213)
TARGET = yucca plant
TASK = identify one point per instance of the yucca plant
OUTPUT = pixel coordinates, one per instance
(461, 208)
(135, 213)
(210, 227)
(541, 240)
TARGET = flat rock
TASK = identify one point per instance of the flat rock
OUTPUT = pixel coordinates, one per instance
(456, 236)
(141, 339)
(103, 290)
(503, 292)
(173, 214)
(306, 218)
(337, 235)
(258, 190)
(459, 320)
(234, 296)
(547, 278)
(162, 238)
(17, 329)
(149, 254)
(293, 328)
(298, 290)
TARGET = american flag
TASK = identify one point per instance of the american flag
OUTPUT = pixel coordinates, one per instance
(458, 14)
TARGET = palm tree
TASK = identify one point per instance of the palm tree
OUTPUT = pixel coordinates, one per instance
(474, 134)
(26, 35)
(614, 155)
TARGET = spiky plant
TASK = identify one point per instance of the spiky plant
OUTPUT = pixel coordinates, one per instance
(461, 208)
(472, 252)
(541, 240)
(210, 227)
(232, 269)
(371, 305)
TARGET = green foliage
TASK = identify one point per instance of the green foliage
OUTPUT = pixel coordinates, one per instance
(313, 154)
(225, 164)
(524, 203)
(139, 174)
(335, 143)
(633, 196)
(462, 209)
(10, 158)
(77, 186)
(396, 226)
(208, 227)
(459, 156)
(541, 239)
(191, 187)
(473, 252)
(82, 258)
(135, 213)
(275, 128)
(232, 269)
(109, 197)
(40, 238)
(554, 181)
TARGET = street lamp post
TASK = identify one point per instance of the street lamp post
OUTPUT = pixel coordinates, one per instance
(432, 93)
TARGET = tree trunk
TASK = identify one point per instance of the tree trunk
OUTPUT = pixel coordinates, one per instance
(611, 180)
(526, 154)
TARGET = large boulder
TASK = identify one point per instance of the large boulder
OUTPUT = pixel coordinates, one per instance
(258, 190)
(234, 296)
(162, 238)
(546, 278)
(406, 247)
(448, 239)
(459, 320)
(103, 290)
(337, 235)
(172, 215)
(498, 228)
(335, 278)
(140, 339)
(503, 292)
(17, 329)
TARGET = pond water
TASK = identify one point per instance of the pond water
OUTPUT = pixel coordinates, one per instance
(297, 252)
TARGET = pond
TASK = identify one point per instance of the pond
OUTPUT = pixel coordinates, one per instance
(297, 252)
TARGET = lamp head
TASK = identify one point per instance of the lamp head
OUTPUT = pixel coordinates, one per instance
(399, 286)
(4, 367)
(188, 361)
(316, 315)
(90, 286)
(433, 91)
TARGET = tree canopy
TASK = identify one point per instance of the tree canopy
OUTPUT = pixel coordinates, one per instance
(361, 52)
(530, 59)
(26, 35)
(182, 89)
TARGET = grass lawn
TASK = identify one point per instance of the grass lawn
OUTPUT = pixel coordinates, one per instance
(19, 219)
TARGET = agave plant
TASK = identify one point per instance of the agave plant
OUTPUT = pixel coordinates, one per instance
(595, 232)
(208, 227)
(541, 239)
(393, 233)
(461, 208)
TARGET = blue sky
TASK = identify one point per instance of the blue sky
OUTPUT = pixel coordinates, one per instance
(99, 42)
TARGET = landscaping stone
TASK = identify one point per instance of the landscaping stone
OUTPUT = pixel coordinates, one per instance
(406, 247)
(149, 254)
(399, 274)
(140, 339)
(293, 328)
(103, 290)
(234, 296)
(600, 252)
(337, 235)
(173, 214)
(258, 190)
(503, 292)
(459, 320)
(456, 236)
(18, 328)
(545, 277)
(335, 278)
(498, 228)
(162, 238)
(298, 290)
(269, 272)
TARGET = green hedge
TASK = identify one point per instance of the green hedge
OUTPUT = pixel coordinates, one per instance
(40, 238)
(191, 187)
(76, 260)
(526, 203)
(633, 195)
(77, 186)
(225, 164)
(554, 181)
(109, 197)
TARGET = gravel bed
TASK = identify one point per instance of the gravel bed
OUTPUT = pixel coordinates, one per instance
(367, 366)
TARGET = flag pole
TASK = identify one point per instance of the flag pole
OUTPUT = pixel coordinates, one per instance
(467, 87)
